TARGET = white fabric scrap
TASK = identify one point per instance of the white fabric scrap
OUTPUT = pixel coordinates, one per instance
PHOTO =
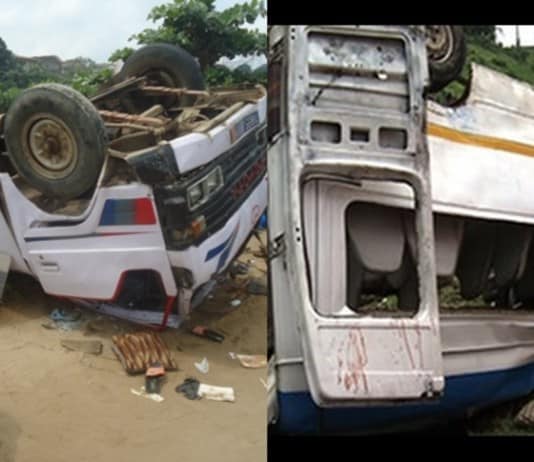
(144, 394)
(216, 393)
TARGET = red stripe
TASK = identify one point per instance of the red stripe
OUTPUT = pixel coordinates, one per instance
(144, 212)
(120, 233)
(168, 309)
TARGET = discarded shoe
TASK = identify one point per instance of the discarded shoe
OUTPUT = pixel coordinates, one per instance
(189, 388)
(154, 377)
(203, 331)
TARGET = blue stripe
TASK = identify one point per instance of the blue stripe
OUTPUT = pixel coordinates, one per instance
(226, 246)
(216, 251)
(299, 414)
(118, 212)
(226, 252)
(108, 213)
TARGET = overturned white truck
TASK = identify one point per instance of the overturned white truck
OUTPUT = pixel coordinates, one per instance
(383, 191)
(134, 202)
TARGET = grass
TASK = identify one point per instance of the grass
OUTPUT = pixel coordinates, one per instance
(514, 62)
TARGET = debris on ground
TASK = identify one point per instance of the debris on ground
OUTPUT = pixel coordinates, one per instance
(193, 389)
(238, 269)
(5, 263)
(138, 351)
(525, 416)
(189, 388)
(216, 393)
(204, 332)
(93, 347)
(64, 319)
(154, 377)
(250, 361)
(256, 286)
(203, 366)
(236, 302)
(262, 224)
(153, 396)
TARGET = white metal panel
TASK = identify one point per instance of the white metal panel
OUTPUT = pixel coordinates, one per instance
(8, 246)
(81, 258)
(196, 149)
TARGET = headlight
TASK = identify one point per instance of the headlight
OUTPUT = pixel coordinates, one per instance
(203, 189)
(194, 196)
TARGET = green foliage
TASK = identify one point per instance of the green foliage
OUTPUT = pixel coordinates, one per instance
(16, 75)
(121, 54)
(88, 82)
(483, 34)
(222, 76)
(7, 96)
(6, 57)
(206, 33)
(515, 62)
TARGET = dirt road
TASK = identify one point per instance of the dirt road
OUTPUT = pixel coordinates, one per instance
(58, 405)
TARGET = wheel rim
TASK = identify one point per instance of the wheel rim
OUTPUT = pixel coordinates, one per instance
(162, 78)
(159, 77)
(439, 43)
(49, 146)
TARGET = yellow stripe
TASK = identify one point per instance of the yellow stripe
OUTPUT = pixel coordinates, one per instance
(479, 140)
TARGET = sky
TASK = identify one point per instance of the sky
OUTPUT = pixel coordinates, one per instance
(507, 37)
(96, 28)
(72, 28)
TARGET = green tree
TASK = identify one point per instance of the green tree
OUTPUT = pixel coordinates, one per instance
(481, 33)
(207, 34)
(7, 60)
(121, 54)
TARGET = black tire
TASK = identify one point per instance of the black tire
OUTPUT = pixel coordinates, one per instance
(50, 122)
(447, 51)
(163, 64)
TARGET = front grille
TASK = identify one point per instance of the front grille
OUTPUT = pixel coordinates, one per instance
(248, 155)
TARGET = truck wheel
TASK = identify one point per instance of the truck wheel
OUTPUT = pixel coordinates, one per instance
(446, 49)
(163, 65)
(56, 140)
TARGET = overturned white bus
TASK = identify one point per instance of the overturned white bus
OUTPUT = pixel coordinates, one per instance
(374, 190)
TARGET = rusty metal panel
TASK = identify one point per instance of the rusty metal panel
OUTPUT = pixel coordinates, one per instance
(137, 351)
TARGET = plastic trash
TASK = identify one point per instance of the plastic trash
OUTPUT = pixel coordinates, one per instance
(203, 366)
(66, 319)
(235, 302)
(262, 224)
(60, 314)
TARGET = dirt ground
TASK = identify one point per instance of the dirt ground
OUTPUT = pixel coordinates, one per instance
(58, 405)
